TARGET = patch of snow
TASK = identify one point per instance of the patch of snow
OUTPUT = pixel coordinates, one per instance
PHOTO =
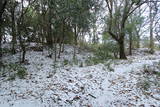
(74, 86)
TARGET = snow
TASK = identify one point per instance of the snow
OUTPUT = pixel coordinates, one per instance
(47, 85)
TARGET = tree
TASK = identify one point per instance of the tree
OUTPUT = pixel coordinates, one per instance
(22, 27)
(132, 30)
(12, 9)
(152, 14)
(118, 13)
(3, 4)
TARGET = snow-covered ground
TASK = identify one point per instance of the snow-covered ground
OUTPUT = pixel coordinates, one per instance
(47, 85)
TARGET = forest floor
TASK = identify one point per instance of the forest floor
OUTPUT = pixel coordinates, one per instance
(116, 83)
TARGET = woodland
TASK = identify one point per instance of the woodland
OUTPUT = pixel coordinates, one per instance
(79, 53)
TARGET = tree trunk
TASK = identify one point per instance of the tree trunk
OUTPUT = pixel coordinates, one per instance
(122, 50)
(130, 44)
(75, 42)
(151, 37)
(61, 39)
(23, 54)
(49, 29)
(138, 41)
(151, 29)
(60, 47)
(3, 4)
(63, 46)
(0, 43)
(13, 32)
(55, 49)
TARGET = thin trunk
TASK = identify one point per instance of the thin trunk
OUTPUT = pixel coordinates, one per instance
(22, 42)
(61, 40)
(55, 49)
(0, 43)
(130, 44)
(3, 4)
(75, 42)
(63, 46)
(23, 54)
(60, 47)
(49, 35)
(151, 34)
(13, 32)
(43, 26)
(138, 40)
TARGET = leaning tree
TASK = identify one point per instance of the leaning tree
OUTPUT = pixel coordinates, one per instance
(118, 13)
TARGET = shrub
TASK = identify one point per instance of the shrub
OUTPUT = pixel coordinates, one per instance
(109, 67)
(102, 53)
(21, 73)
(12, 77)
(65, 62)
(15, 70)
(6, 50)
(106, 51)
(145, 85)
(93, 61)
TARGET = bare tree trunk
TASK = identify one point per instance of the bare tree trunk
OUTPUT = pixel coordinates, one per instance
(55, 49)
(0, 43)
(130, 44)
(138, 40)
(122, 50)
(20, 27)
(151, 31)
(61, 39)
(3, 4)
(23, 54)
(13, 31)
(49, 35)
(63, 46)
(75, 42)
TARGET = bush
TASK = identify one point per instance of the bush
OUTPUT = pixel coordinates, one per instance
(145, 85)
(21, 73)
(6, 50)
(65, 62)
(107, 50)
(14, 70)
(93, 61)
(102, 53)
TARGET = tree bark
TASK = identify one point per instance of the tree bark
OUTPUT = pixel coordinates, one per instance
(151, 32)
(75, 42)
(49, 34)
(61, 39)
(13, 31)
(3, 4)
(0, 42)
(130, 44)
(122, 49)
(23, 54)
(55, 49)
(138, 40)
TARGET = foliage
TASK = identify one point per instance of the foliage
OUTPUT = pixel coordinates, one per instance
(65, 62)
(14, 70)
(6, 50)
(144, 85)
(93, 61)
(107, 50)
(150, 77)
